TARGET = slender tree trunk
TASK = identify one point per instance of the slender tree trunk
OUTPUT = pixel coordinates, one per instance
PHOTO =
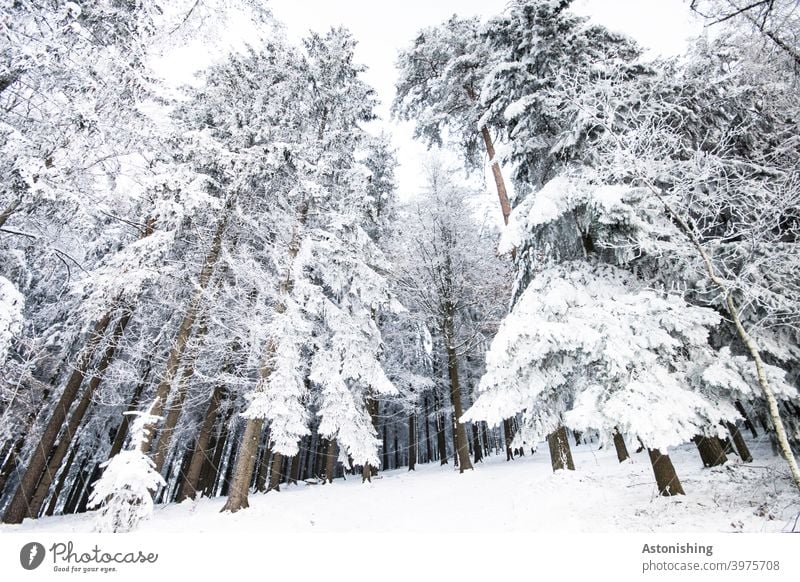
(441, 439)
(330, 465)
(508, 431)
(187, 323)
(619, 445)
(711, 452)
(175, 407)
(428, 448)
(77, 488)
(294, 474)
(201, 449)
(75, 420)
(17, 510)
(263, 469)
(275, 473)
(211, 471)
(412, 440)
(476, 444)
(666, 477)
(62, 479)
(560, 453)
(738, 441)
(372, 408)
(462, 448)
(747, 422)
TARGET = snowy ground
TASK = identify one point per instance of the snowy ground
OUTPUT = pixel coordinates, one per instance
(524, 495)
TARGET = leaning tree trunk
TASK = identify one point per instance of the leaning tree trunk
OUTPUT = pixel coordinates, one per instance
(62, 480)
(17, 510)
(187, 323)
(666, 477)
(741, 447)
(560, 453)
(619, 445)
(237, 494)
(176, 405)
(201, 449)
(711, 451)
(749, 424)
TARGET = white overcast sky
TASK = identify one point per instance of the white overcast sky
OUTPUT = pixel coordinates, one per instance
(383, 28)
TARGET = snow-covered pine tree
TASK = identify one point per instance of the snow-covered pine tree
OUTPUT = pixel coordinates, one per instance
(124, 493)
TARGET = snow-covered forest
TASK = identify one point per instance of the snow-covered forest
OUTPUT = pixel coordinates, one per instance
(218, 292)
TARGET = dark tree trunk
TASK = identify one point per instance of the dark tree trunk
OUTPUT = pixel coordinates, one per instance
(263, 467)
(372, 409)
(560, 453)
(711, 452)
(486, 438)
(330, 464)
(211, 467)
(77, 488)
(476, 444)
(577, 435)
(741, 446)
(619, 445)
(93, 476)
(428, 448)
(747, 422)
(509, 436)
(275, 473)
(460, 436)
(202, 451)
(412, 441)
(62, 480)
(385, 452)
(294, 475)
(10, 463)
(666, 477)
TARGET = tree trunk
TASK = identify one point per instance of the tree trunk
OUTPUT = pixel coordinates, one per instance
(75, 421)
(372, 409)
(428, 448)
(711, 452)
(237, 496)
(17, 510)
(508, 431)
(275, 473)
(738, 441)
(294, 474)
(62, 479)
(560, 453)
(263, 468)
(462, 448)
(330, 464)
(77, 488)
(747, 422)
(412, 441)
(201, 449)
(441, 439)
(666, 477)
(176, 405)
(210, 472)
(619, 445)
(476, 444)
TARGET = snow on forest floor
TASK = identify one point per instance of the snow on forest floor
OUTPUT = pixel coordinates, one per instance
(524, 495)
